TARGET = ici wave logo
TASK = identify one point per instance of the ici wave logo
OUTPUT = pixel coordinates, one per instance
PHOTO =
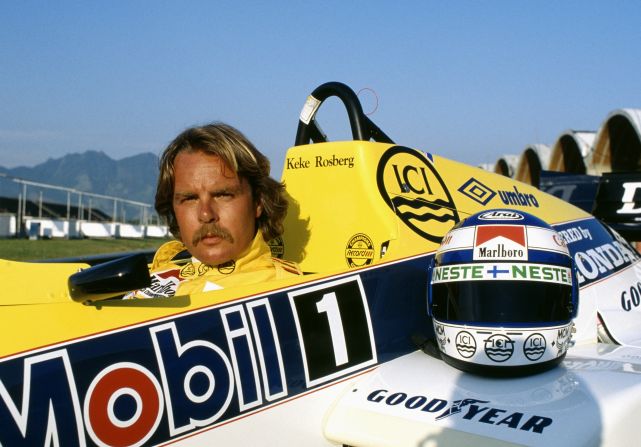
(416, 193)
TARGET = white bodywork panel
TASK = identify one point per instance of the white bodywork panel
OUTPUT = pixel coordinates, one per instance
(592, 398)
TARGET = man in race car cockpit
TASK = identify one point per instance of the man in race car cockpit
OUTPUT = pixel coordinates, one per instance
(216, 195)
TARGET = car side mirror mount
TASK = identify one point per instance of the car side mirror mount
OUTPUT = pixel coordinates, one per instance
(110, 279)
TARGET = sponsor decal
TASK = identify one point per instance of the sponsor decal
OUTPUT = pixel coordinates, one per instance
(191, 270)
(345, 342)
(277, 247)
(500, 242)
(558, 240)
(162, 284)
(227, 267)
(412, 188)
(472, 410)
(629, 192)
(502, 271)
(188, 271)
(499, 251)
(503, 241)
(482, 194)
(563, 337)
(534, 347)
(510, 347)
(575, 234)
(319, 161)
(599, 261)
(501, 215)
(439, 329)
(465, 344)
(148, 384)
(631, 298)
(458, 239)
(477, 191)
(309, 109)
(499, 347)
(547, 240)
(596, 253)
(458, 406)
(447, 239)
(359, 251)
(203, 268)
(515, 197)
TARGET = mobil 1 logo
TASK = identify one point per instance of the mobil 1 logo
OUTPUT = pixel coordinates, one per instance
(334, 329)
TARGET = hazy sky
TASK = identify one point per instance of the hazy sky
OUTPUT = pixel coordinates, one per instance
(469, 80)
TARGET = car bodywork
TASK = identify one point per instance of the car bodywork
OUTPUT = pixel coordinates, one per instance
(329, 358)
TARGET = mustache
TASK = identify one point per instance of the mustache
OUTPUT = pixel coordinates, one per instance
(211, 229)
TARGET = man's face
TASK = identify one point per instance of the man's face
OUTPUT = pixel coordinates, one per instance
(214, 208)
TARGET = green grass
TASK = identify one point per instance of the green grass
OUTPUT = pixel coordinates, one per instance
(35, 250)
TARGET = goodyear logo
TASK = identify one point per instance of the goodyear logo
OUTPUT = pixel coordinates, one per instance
(412, 188)
(471, 410)
(359, 251)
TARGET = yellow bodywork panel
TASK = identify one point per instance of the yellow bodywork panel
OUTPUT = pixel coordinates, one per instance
(356, 203)
(35, 283)
(25, 327)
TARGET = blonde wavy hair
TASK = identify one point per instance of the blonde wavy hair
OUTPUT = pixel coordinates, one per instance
(240, 154)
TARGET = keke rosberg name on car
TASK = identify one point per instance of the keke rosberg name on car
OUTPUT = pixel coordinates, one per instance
(319, 162)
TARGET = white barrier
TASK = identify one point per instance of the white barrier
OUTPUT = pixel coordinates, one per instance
(129, 231)
(97, 229)
(48, 228)
(159, 231)
(7, 225)
(38, 228)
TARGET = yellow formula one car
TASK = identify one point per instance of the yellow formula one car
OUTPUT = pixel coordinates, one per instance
(334, 357)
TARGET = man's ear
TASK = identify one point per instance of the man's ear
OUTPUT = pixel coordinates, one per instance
(259, 209)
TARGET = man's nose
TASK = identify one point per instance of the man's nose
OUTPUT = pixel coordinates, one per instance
(207, 211)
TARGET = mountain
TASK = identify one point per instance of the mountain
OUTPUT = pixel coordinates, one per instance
(132, 178)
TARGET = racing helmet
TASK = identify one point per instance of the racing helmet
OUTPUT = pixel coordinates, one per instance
(502, 294)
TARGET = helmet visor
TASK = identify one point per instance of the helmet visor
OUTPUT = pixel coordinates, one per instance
(496, 302)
